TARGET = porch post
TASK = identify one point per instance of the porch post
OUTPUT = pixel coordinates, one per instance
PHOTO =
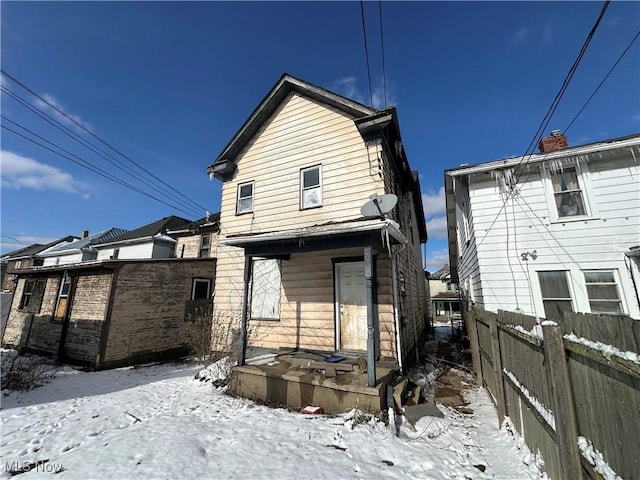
(242, 346)
(371, 330)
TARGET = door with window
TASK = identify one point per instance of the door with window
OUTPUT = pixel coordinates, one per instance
(351, 306)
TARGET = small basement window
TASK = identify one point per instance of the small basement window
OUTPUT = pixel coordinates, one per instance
(310, 187)
(245, 198)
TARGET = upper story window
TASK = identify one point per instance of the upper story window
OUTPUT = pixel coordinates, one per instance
(310, 187)
(602, 290)
(205, 246)
(245, 198)
(556, 296)
(568, 193)
(18, 264)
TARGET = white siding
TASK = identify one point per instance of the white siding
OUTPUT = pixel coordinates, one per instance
(524, 224)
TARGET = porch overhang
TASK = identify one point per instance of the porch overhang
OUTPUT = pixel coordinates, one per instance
(376, 233)
(368, 234)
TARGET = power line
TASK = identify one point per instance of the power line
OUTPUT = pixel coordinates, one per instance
(366, 51)
(88, 165)
(547, 118)
(95, 149)
(384, 74)
(104, 142)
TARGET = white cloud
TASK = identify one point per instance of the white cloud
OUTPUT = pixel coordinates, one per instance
(518, 37)
(47, 106)
(24, 172)
(348, 87)
(437, 227)
(433, 203)
(436, 260)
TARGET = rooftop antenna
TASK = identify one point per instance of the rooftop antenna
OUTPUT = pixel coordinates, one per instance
(379, 205)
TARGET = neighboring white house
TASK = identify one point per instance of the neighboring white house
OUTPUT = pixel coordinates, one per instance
(549, 232)
(444, 294)
(148, 241)
(79, 251)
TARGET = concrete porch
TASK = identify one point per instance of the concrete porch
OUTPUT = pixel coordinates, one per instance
(297, 379)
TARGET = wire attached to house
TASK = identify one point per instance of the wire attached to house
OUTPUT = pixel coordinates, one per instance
(104, 142)
(366, 51)
(384, 74)
(543, 125)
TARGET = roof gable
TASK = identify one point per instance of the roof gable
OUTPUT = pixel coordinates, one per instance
(224, 163)
(99, 237)
(154, 228)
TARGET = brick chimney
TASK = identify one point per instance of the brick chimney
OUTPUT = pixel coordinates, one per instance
(555, 141)
(85, 233)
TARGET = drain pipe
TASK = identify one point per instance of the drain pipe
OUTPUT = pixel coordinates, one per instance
(396, 317)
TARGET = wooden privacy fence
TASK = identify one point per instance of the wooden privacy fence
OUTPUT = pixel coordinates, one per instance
(570, 388)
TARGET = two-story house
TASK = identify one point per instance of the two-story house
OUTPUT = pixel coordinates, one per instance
(554, 231)
(444, 294)
(298, 264)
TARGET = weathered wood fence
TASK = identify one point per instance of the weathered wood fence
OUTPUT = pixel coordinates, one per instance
(575, 399)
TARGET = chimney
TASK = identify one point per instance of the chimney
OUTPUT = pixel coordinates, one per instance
(555, 141)
(85, 233)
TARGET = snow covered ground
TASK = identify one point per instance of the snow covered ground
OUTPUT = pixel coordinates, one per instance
(159, 422)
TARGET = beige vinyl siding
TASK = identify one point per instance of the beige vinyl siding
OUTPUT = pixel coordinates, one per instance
(307, 312)
(192, 246)
(301, 133)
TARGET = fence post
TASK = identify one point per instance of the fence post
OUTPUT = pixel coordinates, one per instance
(563, 408)
(472, 329)
(497, 367)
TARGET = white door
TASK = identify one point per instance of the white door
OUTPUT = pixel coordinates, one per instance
(351, 306)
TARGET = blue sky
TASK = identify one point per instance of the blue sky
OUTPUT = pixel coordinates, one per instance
(168, 84)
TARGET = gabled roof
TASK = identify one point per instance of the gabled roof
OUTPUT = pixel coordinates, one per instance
(99, 237)
(441, 274)
(268, 105)
(159, 227)
(36, 248)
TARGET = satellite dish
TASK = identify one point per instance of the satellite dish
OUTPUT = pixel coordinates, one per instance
(379, 205)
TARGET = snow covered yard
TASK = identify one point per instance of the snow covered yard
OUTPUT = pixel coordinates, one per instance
(159, 422)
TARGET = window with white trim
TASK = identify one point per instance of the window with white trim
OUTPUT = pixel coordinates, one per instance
(567, 193)
(201, 289)
(310, 187)
(556, 296)
(602, 290)
(265, 289)
(245, 198)
(63, 297)
(18, 264)
(205, 246)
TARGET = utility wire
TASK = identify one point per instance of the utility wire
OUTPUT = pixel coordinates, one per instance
(384, 74)
(95, 149)
(104, 142)
(86, 164)
(366, 51)
(523, 163)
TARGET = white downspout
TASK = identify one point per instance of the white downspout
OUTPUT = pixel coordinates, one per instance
(396, 316)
